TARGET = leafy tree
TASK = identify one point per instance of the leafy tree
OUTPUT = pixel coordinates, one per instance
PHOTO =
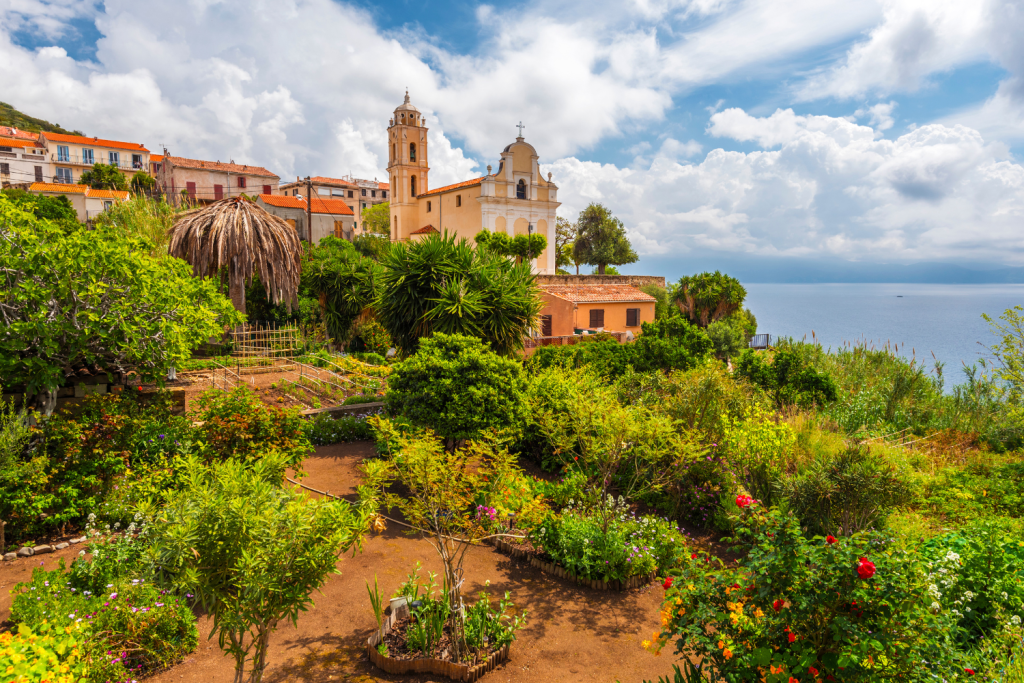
(439, 494)
(104, 177)
(371, 246)
(459, 388)
(251, 551)
(1009, 352)
(344, 282)
(788, 379)
(670, 344)
(601, 239)
(124, 311)
(707, 297)
(377, 219)
(663, 308)
(439, 284)
(142, 182)
(522, 247)
(565, 237)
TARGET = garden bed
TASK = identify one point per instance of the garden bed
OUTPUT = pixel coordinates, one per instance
(537, 558)
(405, 661)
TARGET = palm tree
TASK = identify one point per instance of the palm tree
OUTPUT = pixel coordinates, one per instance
(236, 238)
(707, 297)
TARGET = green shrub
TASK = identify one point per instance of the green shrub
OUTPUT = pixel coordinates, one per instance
(960, 495)
(704, 397)
(370, 358)
(375, 339)
(458, 387)
(44, 654)
(360, 399)
(852, 610)
(632, 546)
(324, 429)
(237, 424)
(788, 379)
(850, 492)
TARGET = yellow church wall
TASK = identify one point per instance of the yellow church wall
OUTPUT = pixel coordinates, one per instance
(542, 229)
(521, 161)
(521, 226)
(499, 224)
(542, 194)
(466, 220)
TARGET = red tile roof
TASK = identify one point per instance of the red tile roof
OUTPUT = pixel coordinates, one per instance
(243, 169)
(156, 158)
(17, 142)
(12, 132)
(581, 294)
(456, 186)
(323, 206)
(383, 186)
(107, 194)
(425, 230)
(338, 182)
(98, 142)
(65, 188)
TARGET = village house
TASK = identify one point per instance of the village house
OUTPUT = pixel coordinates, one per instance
(87, 202)
(71, 155)
(575, 308)
(329, 216)
(22, 161)
(356, 192)
(201, 182)
(515, 199)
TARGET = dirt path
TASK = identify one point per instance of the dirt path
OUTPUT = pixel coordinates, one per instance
(572, 634)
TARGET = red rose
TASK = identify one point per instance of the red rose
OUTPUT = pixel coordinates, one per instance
(744, 501)
(830, 539)
(811, 670)
(792, 638)
(778, 605)
(969, 672)
(668, 583)
(866, 568)
(694, 556)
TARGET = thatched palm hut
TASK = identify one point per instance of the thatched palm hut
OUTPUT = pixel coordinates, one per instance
(238, 236)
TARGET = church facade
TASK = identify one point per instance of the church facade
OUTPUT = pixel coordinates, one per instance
(514, 199)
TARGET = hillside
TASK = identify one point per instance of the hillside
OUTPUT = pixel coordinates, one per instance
(9, 116)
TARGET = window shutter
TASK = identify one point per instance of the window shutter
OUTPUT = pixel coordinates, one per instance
(266, 189)
(339, 229)
(291, 222)
(39, 174)
(632, 317)
(597, 317)
(545, 326)
(5, 169)
(218, 192)
(191, 189)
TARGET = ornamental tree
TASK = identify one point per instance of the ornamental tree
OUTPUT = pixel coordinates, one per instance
(96, 299)
(377, 219)
(707, 297)
(458, 387)
(251, 551)
(343, 280)
(104, 177)
(855, 609)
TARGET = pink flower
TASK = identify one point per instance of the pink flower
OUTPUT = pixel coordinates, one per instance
(744, 501)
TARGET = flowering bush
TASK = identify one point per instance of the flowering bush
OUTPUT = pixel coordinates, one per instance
(324, 429)
(632, 546)
(238, 424)
(807, 609)
(46, 653)
(129, 629)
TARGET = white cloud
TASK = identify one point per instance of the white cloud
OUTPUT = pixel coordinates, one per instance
(880, 115)
(831, 188)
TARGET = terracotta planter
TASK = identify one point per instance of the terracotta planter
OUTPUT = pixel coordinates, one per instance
(453, 670)
(552, 568)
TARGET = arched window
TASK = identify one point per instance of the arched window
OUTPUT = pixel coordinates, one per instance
(521, 190)
(394, 152)
(412, 151)
(412, 186)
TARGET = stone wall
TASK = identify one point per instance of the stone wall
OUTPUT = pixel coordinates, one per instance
(632, 280)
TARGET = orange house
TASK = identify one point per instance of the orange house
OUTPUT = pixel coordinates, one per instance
(604, 307)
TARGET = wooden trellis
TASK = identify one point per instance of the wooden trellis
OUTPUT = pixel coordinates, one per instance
(250, 341)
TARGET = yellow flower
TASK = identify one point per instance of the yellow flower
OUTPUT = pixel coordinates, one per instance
(758, 613)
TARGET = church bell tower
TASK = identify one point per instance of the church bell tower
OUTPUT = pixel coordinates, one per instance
(407, 166)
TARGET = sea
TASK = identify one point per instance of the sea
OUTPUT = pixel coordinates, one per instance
(922, 321)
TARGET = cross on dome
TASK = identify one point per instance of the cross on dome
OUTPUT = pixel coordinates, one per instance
(520, 126)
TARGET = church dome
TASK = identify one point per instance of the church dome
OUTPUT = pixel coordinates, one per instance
(520, 142)
(405, 106)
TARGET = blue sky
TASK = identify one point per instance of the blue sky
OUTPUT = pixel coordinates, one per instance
(771, 136)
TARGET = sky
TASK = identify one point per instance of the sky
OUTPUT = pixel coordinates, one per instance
(785, 140)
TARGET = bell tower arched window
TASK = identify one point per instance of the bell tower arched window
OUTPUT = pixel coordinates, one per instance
(521, 189)
(394, 152)
(412, 186)
(412, 151)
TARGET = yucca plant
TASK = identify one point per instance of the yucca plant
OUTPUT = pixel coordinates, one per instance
(441, 284)
(234, 238)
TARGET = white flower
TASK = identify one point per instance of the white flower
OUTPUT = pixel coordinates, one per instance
(967, 609)
(968, 595)
(1015, 620)
(1005, 596)
(936, 606)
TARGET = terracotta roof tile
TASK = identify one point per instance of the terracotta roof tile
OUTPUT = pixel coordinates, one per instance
(98, 142)
(338, 182)
(383, 186)
(18, 142)
(156, 158)
(66, 188)
(597, 293)
(244, 169)
(107, 194)
(425, 230)
(323, 206)
(456, 186)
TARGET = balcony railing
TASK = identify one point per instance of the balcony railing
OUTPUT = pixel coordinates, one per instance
(86, 161)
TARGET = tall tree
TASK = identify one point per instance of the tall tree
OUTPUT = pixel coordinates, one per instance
(104, 177)
(601, 239)
(235, 238)
(707, 297)
(343, 280)
(142, 182)
(377, 219)
(565, 237)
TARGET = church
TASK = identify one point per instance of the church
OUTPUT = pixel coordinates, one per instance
(514, 199)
